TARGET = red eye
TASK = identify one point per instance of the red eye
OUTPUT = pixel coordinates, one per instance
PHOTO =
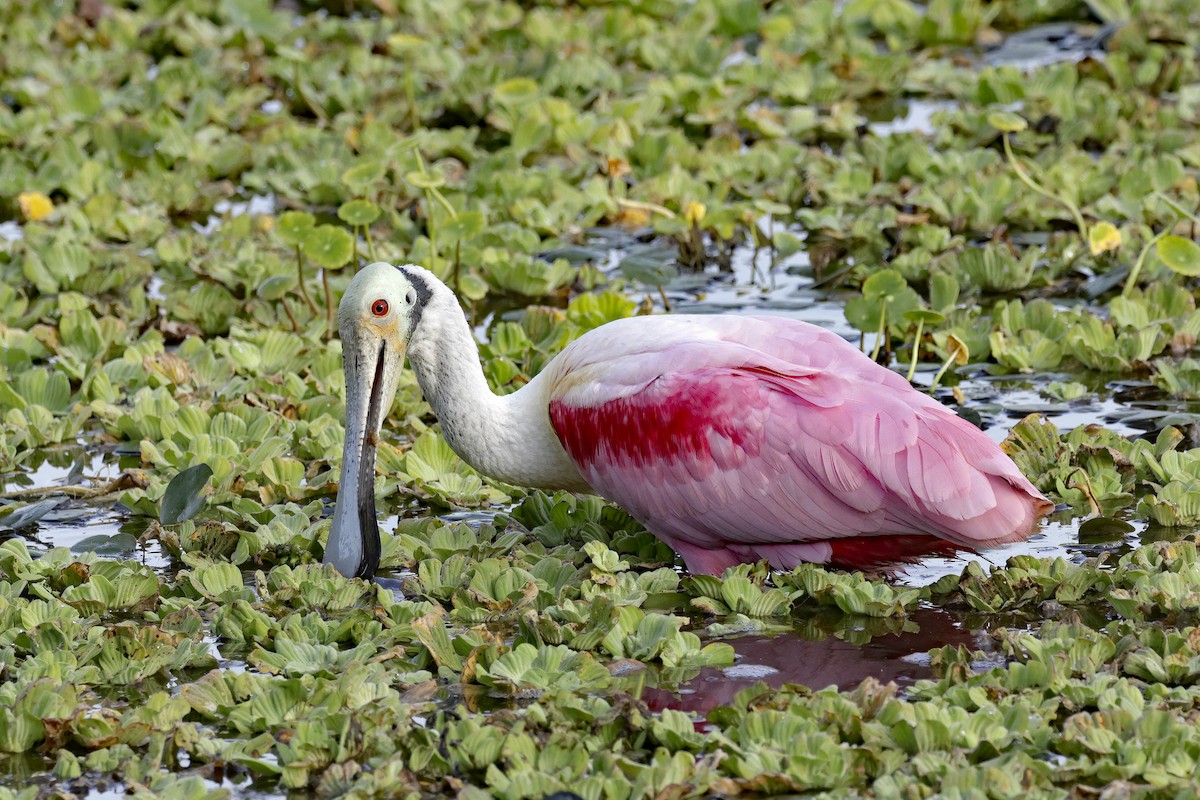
(379, 308)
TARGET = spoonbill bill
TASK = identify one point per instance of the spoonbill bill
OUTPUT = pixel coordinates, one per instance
(731, 438)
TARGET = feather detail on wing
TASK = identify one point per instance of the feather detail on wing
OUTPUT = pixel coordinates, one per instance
(767, 438)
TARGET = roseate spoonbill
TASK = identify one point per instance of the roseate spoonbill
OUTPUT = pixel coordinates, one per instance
(730, 438)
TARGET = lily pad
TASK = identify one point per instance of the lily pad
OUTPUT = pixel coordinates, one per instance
(1007, 122)
(654, 265)
(1180, 254)
(358, 212)
(329, 246)
(120, 544)
(925, 316)
(363, 175)
(425, 180)
(1104, 529)
(294, 226)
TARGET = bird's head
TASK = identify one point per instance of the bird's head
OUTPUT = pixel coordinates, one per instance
(380, 310)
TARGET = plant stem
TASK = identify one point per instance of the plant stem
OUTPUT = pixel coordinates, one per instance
(938, 377)
(370, 244)
(1131, 281)
(1028, 181)
(457, 265)
(300, 275)
(118, 484)
(882, 332)
(431, 231)
(410, 89)
(912, 368)
(774, 252)
(328, 304)
(441, 198)
(1088, 491)
(431, 193)
(288, 310)
(299, 86)
(652, 208)
(1178, 209)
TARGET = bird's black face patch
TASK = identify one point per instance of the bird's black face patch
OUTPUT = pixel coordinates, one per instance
(417, 299)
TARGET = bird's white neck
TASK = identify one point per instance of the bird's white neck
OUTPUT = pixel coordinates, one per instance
(507, 437)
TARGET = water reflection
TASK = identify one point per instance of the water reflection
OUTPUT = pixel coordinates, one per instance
(108, 529)
(917, 117)
(1050, 44)
(817, 657)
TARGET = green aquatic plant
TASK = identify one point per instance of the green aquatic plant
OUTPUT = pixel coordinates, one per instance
(163, 163)
(852, 593)
(996, 268)
(360, 214)
(331, 248)
(1180, 254)
(183, 499)
(1008, 123)
(921, 317)
(886, 298)
(527, 668)
(293, 228)
(737, 591)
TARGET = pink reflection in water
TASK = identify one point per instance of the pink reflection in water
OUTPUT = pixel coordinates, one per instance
(788, 658)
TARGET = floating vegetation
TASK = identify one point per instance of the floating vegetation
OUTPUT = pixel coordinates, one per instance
(185, 189)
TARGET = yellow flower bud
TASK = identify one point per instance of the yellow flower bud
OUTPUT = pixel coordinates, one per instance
(34, 205)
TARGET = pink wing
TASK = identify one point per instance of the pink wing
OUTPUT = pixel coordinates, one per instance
(735, 439)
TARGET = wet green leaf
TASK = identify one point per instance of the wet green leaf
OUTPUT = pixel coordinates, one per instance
(184, 496)
(424, 180)
(117, 545)
(1180, 254)
(515, 91)
(294, 226)
(463, 226)
(924, 315)
(329, 246)
(25, 516)
(276, 286)
(1105, 528)
(1006, 122)
(358, 212)
(361, 176)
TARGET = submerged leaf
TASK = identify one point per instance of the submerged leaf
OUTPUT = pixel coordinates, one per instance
(25, 516)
